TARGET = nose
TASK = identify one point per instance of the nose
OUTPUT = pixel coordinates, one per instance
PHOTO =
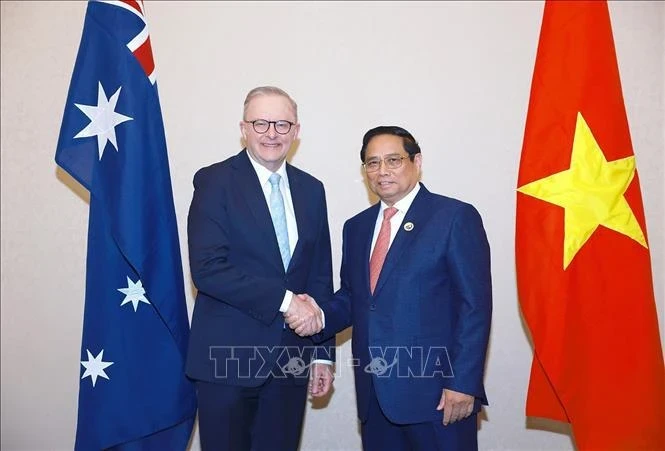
(383, 168)
(271, 132)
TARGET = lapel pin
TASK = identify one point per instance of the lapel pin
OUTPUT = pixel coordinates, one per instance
(408, 226)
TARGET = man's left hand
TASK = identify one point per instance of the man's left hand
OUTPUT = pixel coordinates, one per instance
(456, 406)
(320, 379)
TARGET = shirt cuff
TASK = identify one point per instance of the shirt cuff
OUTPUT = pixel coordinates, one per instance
(327, 362)
(286, 302)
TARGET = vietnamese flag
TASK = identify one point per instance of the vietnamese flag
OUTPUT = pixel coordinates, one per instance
(583, 266)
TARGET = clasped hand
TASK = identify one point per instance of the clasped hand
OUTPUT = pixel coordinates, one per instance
(304, 315)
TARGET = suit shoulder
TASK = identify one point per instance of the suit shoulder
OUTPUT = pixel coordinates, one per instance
(371, 211)
(214, 172)
(452, 204)
(452, 210)
(304, 177)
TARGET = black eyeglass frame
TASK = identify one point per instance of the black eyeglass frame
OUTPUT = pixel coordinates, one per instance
(274, 124)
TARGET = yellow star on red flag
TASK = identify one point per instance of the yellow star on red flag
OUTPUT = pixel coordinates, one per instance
(591, 192)
(584, 283)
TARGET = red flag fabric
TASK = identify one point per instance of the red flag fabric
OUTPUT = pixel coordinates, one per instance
(582, 254)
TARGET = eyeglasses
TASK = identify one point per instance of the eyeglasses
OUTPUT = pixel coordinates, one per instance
(391, 162)
(261, 126)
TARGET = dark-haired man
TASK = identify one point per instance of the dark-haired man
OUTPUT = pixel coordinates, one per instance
(416, 287)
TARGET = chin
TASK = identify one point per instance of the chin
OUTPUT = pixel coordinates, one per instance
(385, 192)
(270, 156)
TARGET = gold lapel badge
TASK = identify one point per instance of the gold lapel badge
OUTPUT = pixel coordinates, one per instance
(408, 226)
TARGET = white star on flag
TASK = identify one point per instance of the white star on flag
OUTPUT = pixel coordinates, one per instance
(103, 119)
(134, 293)
(94, 367)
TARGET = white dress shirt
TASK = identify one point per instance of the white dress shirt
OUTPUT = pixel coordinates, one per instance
(402, 206)
(292, 227)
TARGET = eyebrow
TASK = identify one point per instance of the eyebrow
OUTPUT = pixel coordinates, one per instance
(387, 156)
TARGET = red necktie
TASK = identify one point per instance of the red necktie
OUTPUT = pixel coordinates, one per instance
(380, 248)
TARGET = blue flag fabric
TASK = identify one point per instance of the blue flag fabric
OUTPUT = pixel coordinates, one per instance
(133, 392)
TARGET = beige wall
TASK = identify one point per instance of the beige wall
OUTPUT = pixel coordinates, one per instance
(457, 75)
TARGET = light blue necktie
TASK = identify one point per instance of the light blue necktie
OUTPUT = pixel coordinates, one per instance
(278, 215)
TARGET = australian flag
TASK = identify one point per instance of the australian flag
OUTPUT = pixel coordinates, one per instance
(133, 393)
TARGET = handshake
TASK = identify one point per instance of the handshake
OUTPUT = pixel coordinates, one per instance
(304, 315)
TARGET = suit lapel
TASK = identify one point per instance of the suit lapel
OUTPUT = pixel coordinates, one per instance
(248, 184)
(417, 215)
(300, 208)
(367, 227)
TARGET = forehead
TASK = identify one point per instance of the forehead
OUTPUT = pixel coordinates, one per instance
(270, 106)
(383, 145)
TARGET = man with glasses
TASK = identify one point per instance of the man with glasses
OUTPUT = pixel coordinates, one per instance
(258, 240)
(416, 287)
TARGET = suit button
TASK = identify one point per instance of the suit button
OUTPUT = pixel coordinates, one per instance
(372, 307)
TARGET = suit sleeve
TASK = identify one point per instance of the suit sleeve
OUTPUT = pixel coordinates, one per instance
(338, 308)
(212, 273)
(469, 266)
(320, 284)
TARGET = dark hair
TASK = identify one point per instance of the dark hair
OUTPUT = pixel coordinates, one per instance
(409, 142)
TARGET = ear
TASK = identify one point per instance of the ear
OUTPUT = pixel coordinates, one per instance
(296, 131)
(243, 130)
(418, 160)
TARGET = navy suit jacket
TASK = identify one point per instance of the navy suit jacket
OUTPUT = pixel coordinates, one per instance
(237, 335)
(426, 327)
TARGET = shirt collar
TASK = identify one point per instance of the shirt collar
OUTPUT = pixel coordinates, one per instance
(264, 174)
(404, 203)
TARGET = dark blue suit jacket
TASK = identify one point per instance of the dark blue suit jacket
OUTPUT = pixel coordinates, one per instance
(237, 330)
(427, 325)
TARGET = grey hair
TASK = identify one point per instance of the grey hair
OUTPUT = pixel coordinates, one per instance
(269, 90)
